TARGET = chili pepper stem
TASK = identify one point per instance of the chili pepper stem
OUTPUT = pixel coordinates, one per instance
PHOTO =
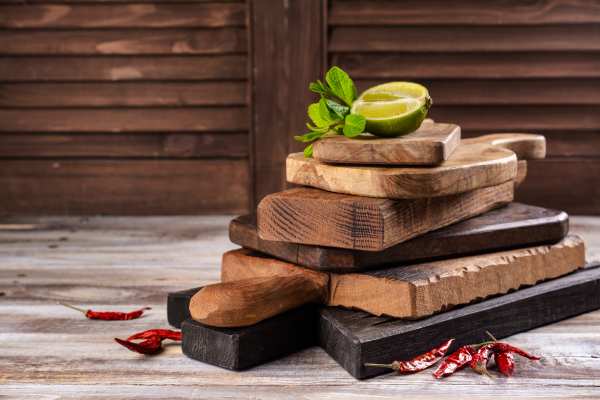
(81, 310)
(491, 336)
(379, 365)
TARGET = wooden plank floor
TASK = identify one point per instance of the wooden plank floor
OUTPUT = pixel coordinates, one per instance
(48, 351)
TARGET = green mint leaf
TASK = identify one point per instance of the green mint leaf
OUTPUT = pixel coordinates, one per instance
(326, 114)
(309, 137)
(354, 125)
(337, 109)
(341, 85)
(323, 129)
(318, 87)
(308, 151)
(317, 117)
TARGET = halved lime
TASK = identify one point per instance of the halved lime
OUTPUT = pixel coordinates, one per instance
(394, 108)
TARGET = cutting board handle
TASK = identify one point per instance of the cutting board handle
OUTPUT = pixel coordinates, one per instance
(248, 301)
(527, 146)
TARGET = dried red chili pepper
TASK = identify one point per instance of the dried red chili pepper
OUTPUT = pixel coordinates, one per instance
(501, 347)
(505, 362)
(148, 346)
(455, 361)
(161, 333)
(108, 315)
(420, 362)
(481, 358)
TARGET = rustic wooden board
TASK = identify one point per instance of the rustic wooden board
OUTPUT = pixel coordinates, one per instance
(242, 348)
(516, 225)
(354, 338)
(252, 283)
(312, 216)
(431, 144)
(478, 162)
(178, 306)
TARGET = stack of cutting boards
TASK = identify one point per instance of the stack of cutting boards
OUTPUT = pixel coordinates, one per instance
(405, 231)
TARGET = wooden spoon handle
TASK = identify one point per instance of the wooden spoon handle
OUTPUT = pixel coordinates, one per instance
(527, 146)
(248, 301)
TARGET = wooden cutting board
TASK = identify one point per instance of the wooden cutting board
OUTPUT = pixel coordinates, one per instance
(516, 225)
(479, 162)
(353, 338)
(255, 287)
(312, 216)
(431, 144)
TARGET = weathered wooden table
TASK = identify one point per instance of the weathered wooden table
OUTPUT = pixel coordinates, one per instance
(48, 351)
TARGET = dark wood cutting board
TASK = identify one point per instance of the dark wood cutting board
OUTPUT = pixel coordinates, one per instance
(516, 225)
(353, 337)
(242, 348)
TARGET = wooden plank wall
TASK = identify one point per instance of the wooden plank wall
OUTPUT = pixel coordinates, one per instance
(123, 107)
(493, 67)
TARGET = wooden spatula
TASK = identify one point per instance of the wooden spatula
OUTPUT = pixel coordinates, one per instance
(478, 162)
(255, 287)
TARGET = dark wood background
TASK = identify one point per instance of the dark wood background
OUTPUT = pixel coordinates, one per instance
(164, 107)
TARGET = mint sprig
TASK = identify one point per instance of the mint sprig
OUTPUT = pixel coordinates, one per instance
(331, 114)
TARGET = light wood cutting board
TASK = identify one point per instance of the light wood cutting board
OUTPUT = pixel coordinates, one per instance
(431, 144)
(255, 287)
(312, 216)
(478, 162)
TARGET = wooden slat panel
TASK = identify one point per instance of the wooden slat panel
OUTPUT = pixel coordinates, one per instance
(507, 92)
(467, 12)
(122, 68)
(122, 94)
(466, 38)
(177, 145)
(166, 41)
(565, 184)
(123, 187)
(124, 120)
(121, 16)
(288, 43)
(471, 65)
(520, 118)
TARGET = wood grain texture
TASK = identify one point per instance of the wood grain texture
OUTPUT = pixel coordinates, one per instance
(354, 338)
(394, 66)
(476, 163)
(288, 41)
(120, 263)
(241, 348)
(311, 216)
(131, 187)
(123, 42)
(413, 291)
(245, 302)
(465, 39)
(122, 68)
(545, 185)
(124, 16)
(125, 120)
(127, 94)
(506, 91)
(431, 144)
(516, 225)
(464, 12)
(126, 145)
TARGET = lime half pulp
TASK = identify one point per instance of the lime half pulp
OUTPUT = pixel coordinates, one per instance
(394, 108)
